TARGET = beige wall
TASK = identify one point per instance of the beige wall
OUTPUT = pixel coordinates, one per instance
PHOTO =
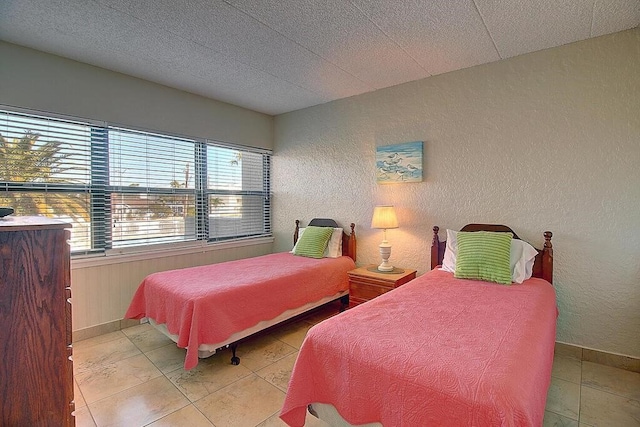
(40, 81)
(545, 141)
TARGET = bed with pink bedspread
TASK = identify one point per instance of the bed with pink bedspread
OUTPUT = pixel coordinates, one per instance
(212, 304)
(438, 351)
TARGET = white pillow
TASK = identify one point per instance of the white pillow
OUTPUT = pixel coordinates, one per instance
(334, 247)
(521, 259)
(450, 252)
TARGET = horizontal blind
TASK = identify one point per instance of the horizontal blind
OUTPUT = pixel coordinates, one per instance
(151, 188)
(122, 187)
(237, 192)
(45, 169)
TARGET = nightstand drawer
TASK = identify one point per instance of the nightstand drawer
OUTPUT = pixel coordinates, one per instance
(366, 283)
(366, 291)
(372, 281)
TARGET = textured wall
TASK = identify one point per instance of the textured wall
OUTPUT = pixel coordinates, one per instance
(545, 141)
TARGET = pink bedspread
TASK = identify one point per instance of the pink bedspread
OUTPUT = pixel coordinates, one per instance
(208, 304)
(437, 351)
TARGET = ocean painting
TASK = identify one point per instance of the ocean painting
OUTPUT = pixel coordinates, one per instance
(399, 163)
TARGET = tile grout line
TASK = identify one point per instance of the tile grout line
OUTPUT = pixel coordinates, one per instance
(581, 385)
(189, 402)
(609, 392)
(580, 391)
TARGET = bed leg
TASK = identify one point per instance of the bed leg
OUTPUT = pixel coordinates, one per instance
(344, 303)
(235, 360)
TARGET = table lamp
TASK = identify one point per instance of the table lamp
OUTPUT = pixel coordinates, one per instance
(384, 217)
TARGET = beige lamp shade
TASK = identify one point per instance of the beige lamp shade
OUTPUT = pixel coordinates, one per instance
(384, 217)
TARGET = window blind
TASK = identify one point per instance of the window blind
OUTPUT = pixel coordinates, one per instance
(123, 187)
(238, 201)
(151, 188)
(46, 170)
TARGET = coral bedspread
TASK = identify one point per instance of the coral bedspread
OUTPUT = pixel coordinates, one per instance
(437, 351)
(208, 304)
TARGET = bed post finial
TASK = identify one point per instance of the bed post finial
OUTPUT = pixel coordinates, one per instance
(295, 233)
(547, 258)
(352, 242)
(435, 247)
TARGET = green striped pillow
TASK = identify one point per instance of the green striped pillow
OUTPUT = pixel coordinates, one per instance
(313, 242)
(484, 255)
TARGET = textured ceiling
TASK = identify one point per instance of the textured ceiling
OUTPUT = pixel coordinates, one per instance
(276, 56)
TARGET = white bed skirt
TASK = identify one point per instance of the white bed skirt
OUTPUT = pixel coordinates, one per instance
(206, 350)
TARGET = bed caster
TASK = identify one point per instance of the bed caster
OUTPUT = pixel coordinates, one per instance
(235, 360)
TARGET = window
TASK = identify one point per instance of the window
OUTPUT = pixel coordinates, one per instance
(237, 183)
(124, 188)
(45, 169)
(150, 188)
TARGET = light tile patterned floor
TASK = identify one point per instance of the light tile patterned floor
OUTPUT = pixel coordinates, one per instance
(134, 377)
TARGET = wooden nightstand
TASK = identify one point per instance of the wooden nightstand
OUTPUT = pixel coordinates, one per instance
(365, 284)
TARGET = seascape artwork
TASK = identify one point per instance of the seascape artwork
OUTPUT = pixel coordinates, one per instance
(399, 163)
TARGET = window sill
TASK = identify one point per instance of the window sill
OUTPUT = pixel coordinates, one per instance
(99, 260)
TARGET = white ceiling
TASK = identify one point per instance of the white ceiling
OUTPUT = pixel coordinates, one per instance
(276, 56)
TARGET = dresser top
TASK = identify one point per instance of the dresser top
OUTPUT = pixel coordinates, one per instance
(20, 223)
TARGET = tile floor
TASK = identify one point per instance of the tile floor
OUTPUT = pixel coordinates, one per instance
(134, 377)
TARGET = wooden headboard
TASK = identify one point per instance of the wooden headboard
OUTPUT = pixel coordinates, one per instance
(542, 267)
(348, 240)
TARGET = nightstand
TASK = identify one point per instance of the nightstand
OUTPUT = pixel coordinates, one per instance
(365, 284)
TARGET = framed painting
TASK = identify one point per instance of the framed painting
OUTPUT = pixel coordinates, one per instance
(399, 163)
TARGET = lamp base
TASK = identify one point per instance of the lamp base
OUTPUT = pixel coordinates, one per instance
(385, 266)
(385, 253)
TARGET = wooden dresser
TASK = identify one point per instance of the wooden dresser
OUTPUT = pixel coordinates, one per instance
(365, 284)
(36, 371)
